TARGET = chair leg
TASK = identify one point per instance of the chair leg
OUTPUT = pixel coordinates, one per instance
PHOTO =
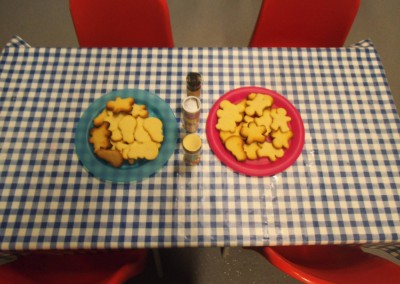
(157, 261)
(224, 251)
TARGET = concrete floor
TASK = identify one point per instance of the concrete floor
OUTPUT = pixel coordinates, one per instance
(206, 23)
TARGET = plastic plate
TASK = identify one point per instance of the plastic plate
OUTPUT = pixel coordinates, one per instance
(262, 166)
(141, 168)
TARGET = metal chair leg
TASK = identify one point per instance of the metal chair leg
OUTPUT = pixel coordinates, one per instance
(157, 261)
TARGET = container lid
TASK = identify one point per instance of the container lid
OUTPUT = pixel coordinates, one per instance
(192, 142)
(191, 104)
(193, 80)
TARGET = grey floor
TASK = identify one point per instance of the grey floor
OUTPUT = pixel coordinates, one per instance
(206, 23)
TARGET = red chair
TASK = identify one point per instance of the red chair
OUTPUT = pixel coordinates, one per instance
(310, 23)
(98, 267)
(332, 264)
(122, 23)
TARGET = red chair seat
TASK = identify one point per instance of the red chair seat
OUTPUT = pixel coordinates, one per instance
(97, 267)
(332, 264)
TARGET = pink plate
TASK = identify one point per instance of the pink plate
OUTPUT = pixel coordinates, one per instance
(259, 167)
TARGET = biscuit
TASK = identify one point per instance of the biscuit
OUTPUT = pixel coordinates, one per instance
(139, 110)
(251, 150)
(243, 102)
(224, 135)
(253, 133)
(154, 127)
(228, 115)
(123, 148)
(148, 150)
(248, 118)
(266, 120)
(141, 135)
(100, 137)
(98, 120)
(127, 126)
(281, 139)
(280, 119)
(120, 105)
(113, 120)
(234, 144)
(256, 103)
(112, 157)
(269, 151)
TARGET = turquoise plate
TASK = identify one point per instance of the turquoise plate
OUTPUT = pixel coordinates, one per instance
(141, 168)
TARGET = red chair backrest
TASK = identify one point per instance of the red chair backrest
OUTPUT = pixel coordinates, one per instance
(122, 23)
(304, 23)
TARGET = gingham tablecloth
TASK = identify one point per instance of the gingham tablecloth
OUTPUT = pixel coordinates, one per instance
(343, 189)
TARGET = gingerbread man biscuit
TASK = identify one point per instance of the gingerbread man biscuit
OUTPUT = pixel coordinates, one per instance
(266, 120)
(281, 139)
(269, 151)
(251, 150)
(256, 103)
(253, 133)
(280, 119)
(228, 115)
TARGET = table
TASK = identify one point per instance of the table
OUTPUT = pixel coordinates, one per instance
(343, 189)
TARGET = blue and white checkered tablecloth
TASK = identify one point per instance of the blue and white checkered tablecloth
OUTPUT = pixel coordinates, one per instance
(343, 189)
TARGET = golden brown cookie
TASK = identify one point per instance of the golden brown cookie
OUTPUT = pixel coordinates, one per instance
(266, 120)
(100, 137)
(251, 150)
(281, 139)
(139, 110)
(269, 151)
(248, 118)
(224, 135)
(234, 144)
(229, 115)
(120, 105)
(253, 133)
(280, 119)
(114, 119)
(154, 127)
(141, 135)
(256, 103)
(123, 148)
(148, 150)
(127, 126)
(112, 157)
(98, 120)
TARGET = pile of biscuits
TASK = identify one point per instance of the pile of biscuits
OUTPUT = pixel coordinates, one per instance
(123, 131)
(253, 128)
